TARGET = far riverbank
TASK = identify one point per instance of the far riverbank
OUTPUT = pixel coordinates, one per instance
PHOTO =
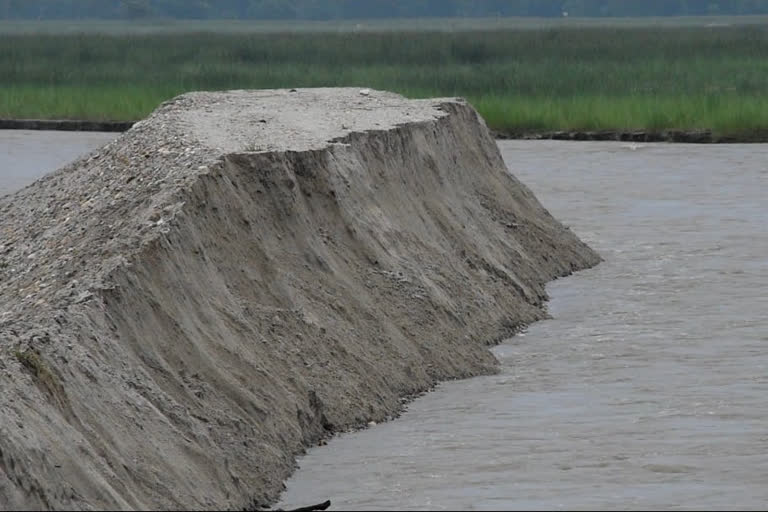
(695, 137)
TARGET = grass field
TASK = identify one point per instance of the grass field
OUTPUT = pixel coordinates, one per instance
(585, 75)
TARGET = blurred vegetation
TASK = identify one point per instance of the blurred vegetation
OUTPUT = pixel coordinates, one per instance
(559, 78)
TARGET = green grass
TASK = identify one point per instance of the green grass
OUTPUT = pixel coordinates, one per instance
(559, 77)
(730, 115)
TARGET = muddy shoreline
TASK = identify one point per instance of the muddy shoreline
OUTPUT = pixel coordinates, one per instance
(67, 125)
(677, 136)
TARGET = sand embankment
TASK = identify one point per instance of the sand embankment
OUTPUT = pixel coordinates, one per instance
(184, 310)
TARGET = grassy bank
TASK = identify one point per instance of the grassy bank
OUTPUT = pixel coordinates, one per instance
(602, 77)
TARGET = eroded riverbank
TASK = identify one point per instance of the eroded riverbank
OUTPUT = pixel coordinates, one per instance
(244, 273)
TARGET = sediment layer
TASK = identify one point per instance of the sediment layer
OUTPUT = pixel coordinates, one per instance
(240, 275)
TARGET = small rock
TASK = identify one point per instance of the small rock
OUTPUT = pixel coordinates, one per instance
(371, 423)
(365, 92)
(84, 296)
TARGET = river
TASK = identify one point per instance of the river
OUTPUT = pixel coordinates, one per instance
(647, 388)
(25, 155)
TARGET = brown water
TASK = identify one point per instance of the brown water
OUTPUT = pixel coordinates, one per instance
(26, 155)
(648, 388)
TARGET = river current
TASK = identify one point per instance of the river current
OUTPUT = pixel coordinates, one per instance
(649, 386)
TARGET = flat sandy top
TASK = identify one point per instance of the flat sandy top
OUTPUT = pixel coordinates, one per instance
(297, 119)
(62, 234)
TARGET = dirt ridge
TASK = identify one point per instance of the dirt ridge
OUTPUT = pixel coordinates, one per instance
(243, 274)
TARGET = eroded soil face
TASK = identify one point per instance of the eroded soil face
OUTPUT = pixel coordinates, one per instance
(244, 273)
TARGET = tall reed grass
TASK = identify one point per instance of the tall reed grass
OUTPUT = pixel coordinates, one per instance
(604, 77)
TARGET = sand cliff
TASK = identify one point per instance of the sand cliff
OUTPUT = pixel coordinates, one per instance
(242, 273)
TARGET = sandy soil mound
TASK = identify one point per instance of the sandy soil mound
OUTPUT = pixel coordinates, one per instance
(184, 310)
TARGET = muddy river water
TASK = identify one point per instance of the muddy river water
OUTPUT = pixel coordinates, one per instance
(647, 388)
(26, 155)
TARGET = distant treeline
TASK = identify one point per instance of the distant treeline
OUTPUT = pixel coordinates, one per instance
(366, 9)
